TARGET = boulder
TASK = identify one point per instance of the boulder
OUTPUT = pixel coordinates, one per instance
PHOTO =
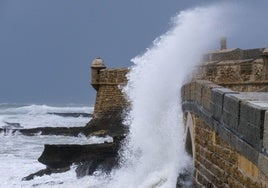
(89, 158)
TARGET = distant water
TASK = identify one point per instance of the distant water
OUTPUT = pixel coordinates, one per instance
(31, 116)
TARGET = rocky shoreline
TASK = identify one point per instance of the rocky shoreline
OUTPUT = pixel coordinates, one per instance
(87, 158)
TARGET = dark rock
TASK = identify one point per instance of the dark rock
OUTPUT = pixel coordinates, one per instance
(94, 155)
(104, 126)
(88, 158)
(65, 131)
(46, 171)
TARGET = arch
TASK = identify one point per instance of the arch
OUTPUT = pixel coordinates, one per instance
(189, 135)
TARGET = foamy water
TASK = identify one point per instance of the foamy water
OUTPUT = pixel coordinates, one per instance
(31, 116)
(19, 153)
(153, 154)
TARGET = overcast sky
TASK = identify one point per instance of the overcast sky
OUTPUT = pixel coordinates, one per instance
(46, 46)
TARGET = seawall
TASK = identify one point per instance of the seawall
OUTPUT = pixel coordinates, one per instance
(225, 108)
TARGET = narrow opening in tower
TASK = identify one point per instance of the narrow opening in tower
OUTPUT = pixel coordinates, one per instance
(188, 143)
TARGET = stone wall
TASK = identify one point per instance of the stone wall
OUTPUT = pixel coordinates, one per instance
(230, 140)
(239, 70)
(110, 99)
(218, 164)
(233, 54)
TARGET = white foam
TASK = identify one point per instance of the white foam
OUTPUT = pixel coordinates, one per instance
(19, 154)
(32, 116)
(154, 154)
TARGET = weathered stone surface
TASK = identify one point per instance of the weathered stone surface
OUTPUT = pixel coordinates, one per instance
(263, 164)
(230, 113)
(217, 99)
(62, 156)
(236, 151)
(66, 131)
(89, 158)
(265, 132)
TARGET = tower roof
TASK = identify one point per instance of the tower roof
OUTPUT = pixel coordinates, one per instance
(98, 63)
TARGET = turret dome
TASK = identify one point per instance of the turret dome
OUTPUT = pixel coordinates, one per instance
(98, 63)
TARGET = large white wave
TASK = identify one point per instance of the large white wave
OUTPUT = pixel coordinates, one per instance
(154, 154)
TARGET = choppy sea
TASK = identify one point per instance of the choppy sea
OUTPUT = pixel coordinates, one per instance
(19, 153)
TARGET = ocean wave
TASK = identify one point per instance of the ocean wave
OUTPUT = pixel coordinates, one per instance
(6, 108)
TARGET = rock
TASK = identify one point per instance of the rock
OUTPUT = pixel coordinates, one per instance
(46, 171)
(96, 127)
(89, 158)
(65, 131)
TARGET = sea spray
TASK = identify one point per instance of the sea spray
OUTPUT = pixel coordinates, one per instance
(154, 154)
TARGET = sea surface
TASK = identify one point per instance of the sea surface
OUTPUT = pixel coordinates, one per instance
(19, 153)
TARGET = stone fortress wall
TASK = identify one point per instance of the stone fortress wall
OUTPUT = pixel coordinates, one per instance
(108, 83)
(226, 119)
(227, 135)
(225, 111)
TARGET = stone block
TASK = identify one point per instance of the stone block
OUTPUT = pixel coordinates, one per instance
(193, 91)
(263, 164)
(265, 132)
(206, 94)
(252, 96)
(187, 92)
(240, 145)
(183, 93)
(230, 120)
(198, 91)
(251, 134)
(231, 106)
(217, 99)
(253, 112)
(248, 167)
(249, 152)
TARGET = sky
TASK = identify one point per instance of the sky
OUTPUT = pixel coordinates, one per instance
(47, 46)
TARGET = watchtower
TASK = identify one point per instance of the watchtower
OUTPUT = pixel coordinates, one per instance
(96, 66)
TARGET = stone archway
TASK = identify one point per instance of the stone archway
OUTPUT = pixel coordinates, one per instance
(189, 135)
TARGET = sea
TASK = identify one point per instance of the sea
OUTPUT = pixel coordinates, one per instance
(19, 153)
(153, 153)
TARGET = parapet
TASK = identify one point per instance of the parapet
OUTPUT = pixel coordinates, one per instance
(239, 118)
(239, 70)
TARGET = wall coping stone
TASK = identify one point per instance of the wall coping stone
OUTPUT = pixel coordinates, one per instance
(248, 102)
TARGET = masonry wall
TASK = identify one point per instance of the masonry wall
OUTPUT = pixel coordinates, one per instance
(218, 164)
(110, 99)
(239, 70)
(237, 75)
(230, 135)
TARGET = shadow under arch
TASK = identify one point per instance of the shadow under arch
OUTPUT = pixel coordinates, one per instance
(189, 134)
